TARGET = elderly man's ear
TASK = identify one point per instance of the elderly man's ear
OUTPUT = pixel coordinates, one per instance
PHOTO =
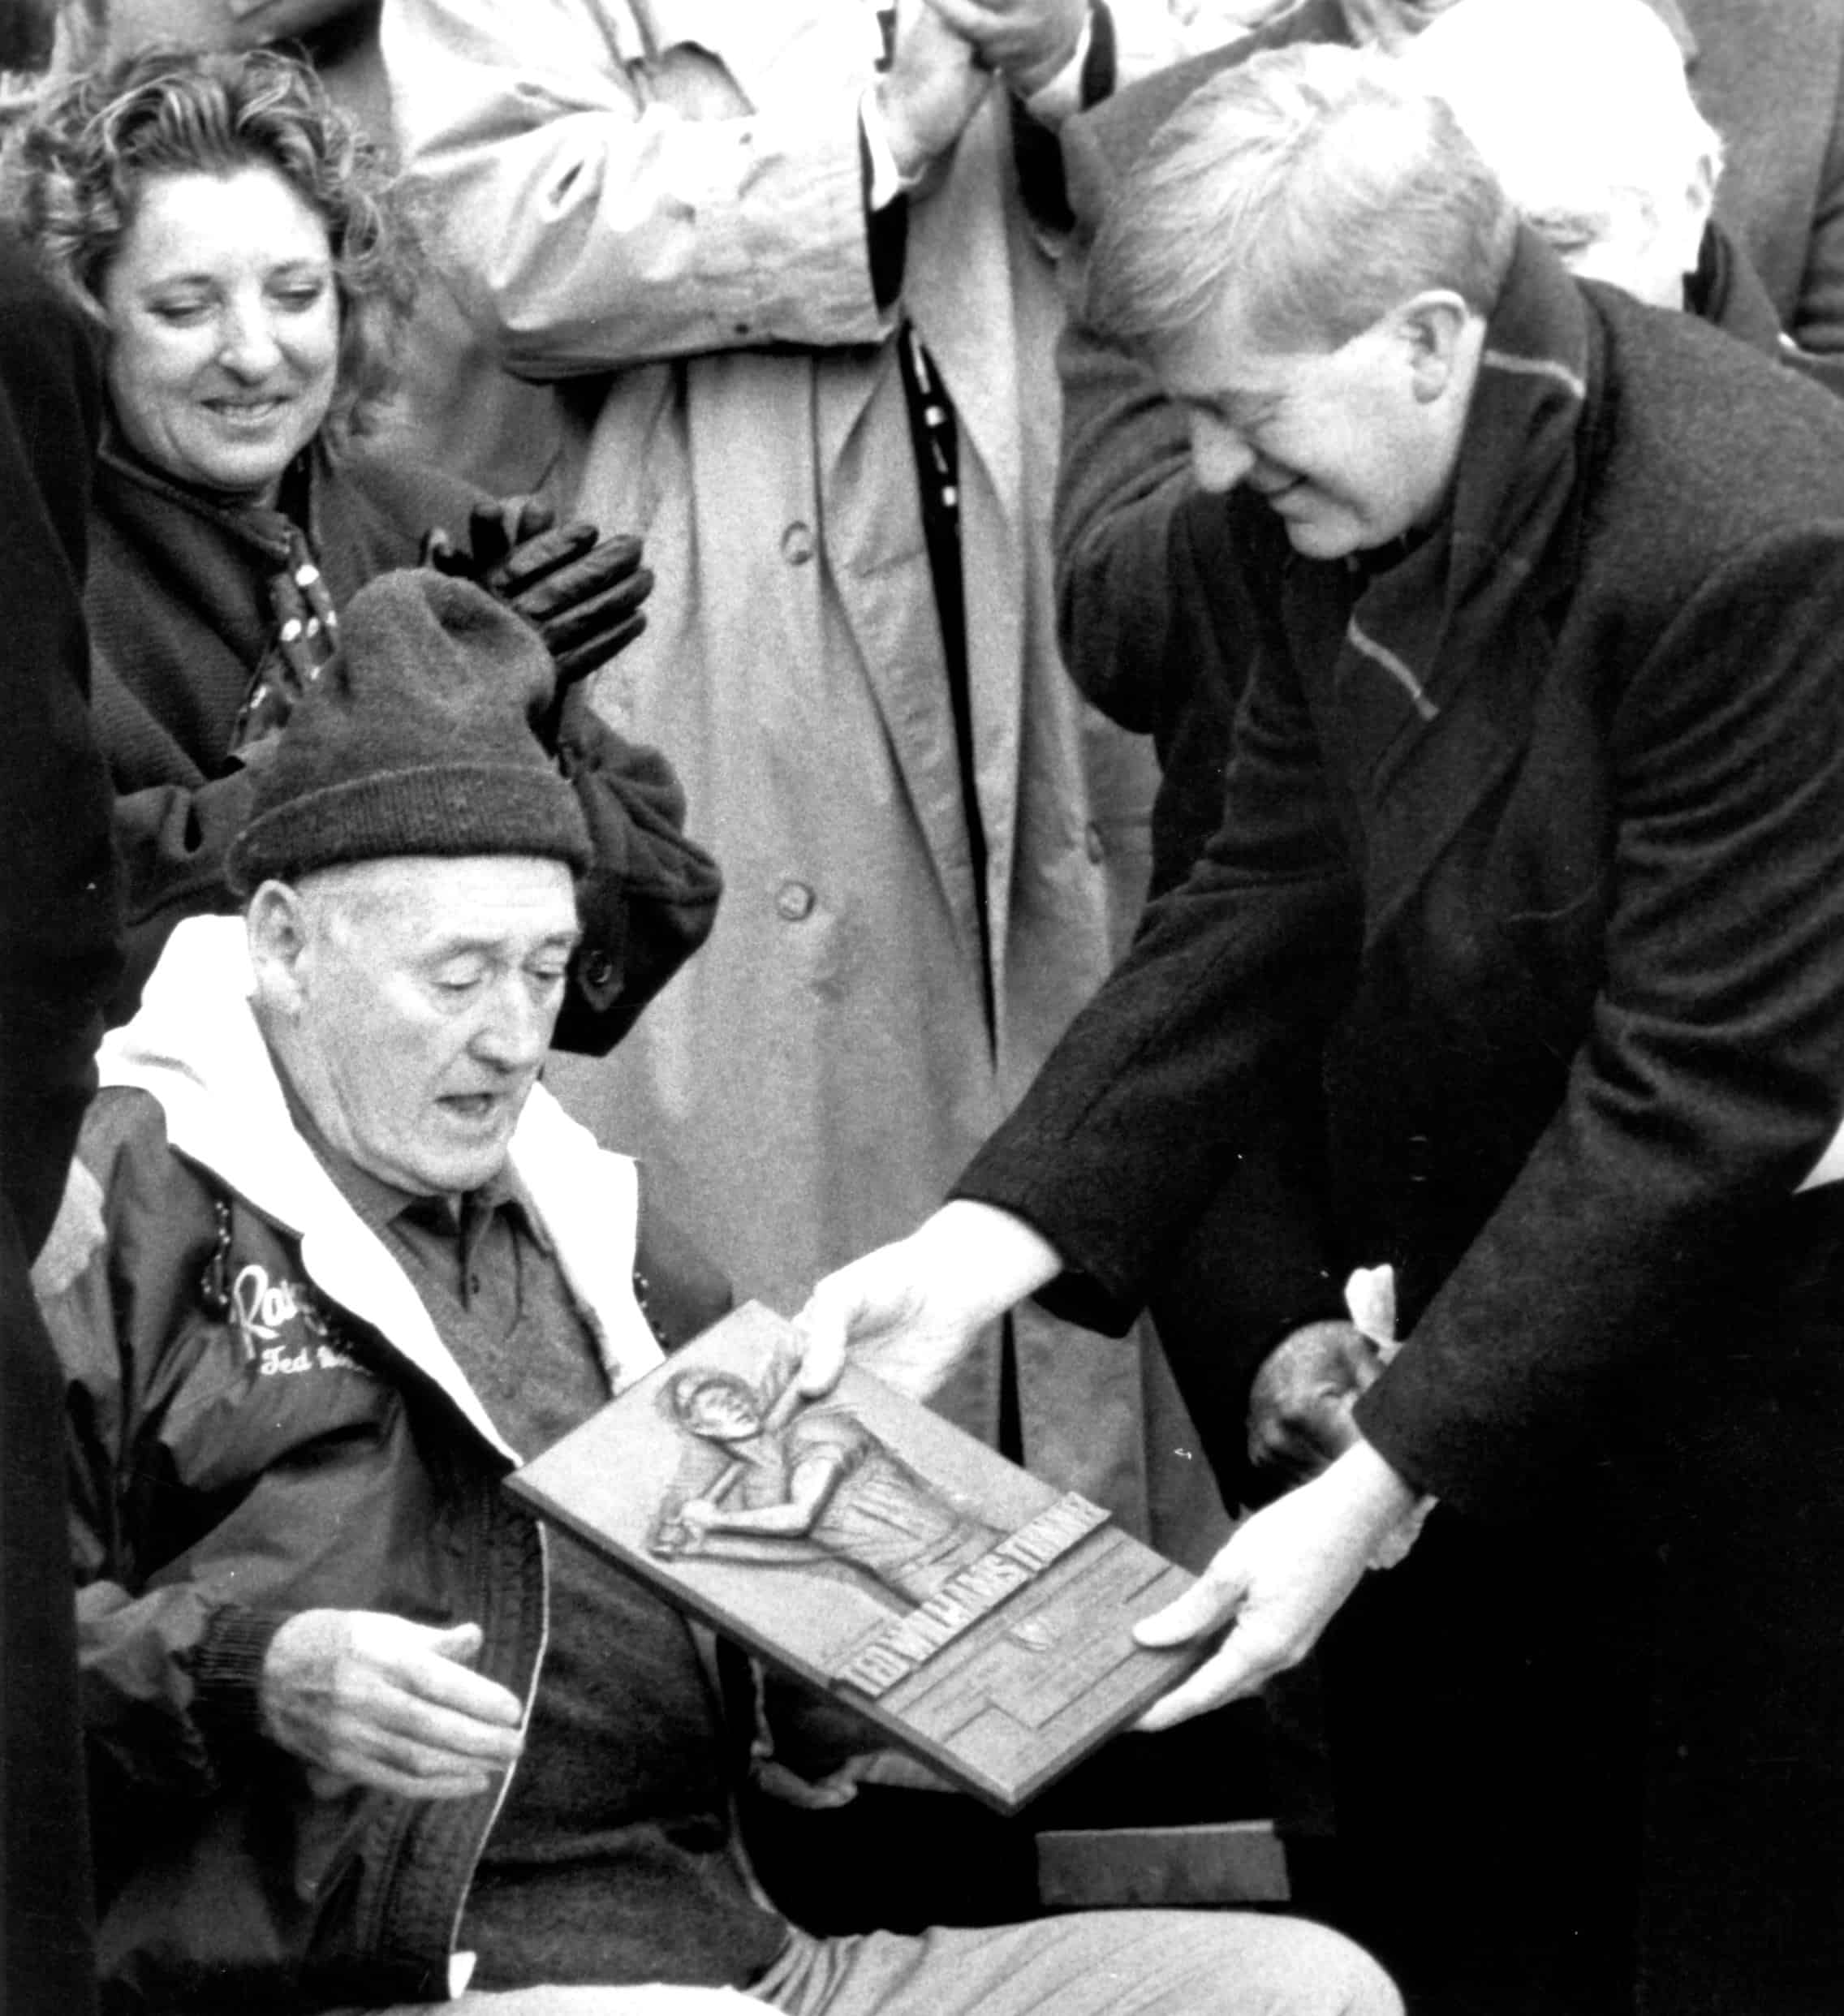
(277, 926)
(1432, 327)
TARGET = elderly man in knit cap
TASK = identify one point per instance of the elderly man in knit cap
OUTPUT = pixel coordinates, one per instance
(352, 1720)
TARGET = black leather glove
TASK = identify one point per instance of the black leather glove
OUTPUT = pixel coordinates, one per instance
(581, 593)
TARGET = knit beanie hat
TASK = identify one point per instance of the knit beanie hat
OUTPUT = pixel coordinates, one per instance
(418, 736)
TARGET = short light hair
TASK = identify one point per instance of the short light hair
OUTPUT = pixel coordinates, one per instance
(1317, 186)
(1573, 102)
(83, 156)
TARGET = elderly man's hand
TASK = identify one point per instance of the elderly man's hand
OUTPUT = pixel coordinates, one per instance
(1278, 1581)
(910, 1311)
(1300, 1401)
(1027, 41)
(365, 1697)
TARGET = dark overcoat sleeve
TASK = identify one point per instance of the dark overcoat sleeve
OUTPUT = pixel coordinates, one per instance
(1168, 1081)
(59, 948)
(59, 941)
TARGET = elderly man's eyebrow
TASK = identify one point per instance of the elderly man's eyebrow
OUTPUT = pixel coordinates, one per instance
(491, 944)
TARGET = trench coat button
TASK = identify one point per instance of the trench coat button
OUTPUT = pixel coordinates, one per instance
(598, 969)
(1097, 846)
(797, 543)
(793, 901)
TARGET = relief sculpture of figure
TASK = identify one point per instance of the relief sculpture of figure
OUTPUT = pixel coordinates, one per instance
(800, 1483)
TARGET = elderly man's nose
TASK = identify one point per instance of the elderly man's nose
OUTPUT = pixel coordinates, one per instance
(515, 1029)
(1220, 457)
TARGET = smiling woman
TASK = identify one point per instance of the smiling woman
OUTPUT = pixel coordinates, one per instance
(246, 256)
(94, 184)
(243, 253)
(224, 329)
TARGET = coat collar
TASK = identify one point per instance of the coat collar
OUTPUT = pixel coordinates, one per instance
(1442, 656)
(194, 1046)
(136, 491)
(961, 280)
(1726, 292)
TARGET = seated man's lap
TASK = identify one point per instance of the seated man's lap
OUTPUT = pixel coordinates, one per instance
(654, 1998)
(1093, 1963)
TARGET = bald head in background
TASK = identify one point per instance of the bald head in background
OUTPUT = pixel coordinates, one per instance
(1582, 110)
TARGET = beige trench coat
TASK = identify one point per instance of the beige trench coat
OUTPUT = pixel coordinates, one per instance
(661, 207)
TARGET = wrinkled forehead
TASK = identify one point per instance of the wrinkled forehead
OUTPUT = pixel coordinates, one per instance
(419, 903)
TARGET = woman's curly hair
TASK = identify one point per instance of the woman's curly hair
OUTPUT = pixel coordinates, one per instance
(80, 163)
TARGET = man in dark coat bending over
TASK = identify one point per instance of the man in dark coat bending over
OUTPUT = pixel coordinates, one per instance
(1518, 952)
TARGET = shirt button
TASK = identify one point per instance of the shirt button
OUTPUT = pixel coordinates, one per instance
(797, 543)
(1097, 846)
(793, 901)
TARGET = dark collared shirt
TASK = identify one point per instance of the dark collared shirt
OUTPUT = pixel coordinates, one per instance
(488, 1277)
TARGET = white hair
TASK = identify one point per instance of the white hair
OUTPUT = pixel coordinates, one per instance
(1580, 107)
(1318, 184)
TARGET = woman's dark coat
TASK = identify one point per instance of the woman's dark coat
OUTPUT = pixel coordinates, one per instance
(180, 619)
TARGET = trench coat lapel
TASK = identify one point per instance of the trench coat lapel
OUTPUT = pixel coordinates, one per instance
(956, 289)
(886, 598)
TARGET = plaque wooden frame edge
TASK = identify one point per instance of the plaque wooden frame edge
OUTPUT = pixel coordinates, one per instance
(1164, 1669)
(1007, 1798)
